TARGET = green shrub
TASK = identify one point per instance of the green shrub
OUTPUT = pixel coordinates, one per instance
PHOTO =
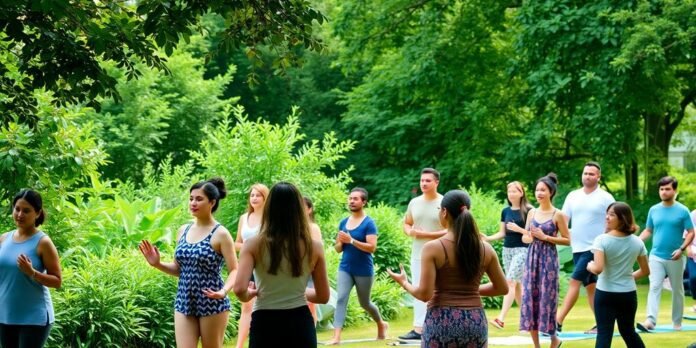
(393, 247)
(116, 301)
(245, 152)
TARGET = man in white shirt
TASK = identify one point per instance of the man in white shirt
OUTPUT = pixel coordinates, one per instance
(586, 209)
(422, 223)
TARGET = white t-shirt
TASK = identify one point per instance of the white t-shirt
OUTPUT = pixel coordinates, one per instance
(587, 214)
(426, 217)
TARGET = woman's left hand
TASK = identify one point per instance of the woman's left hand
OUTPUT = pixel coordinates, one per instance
(398, 277)
(538, 233)
(24, 264)
(215, 294)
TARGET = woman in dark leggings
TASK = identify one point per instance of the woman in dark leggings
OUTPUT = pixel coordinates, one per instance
(615, 252)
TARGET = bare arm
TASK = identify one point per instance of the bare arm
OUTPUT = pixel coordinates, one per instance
(646, 234)
(498, 235)
(238, 241)
(338, 245)
(315, 232)
(49, 256)
(408, 224)
(527, 235)
(644, 269)
(562, 223)
(152, 256)
(321, 292)
(426, 287)
(498, 284)
(596, 266)
(247, 262)
(676, 255)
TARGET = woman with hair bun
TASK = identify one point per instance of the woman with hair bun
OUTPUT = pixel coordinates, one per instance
(452, 268)
(546, 228)
(201, 309)
(616, 300)
(29, 265)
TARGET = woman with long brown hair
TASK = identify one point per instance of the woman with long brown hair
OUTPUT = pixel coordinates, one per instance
(282, 257)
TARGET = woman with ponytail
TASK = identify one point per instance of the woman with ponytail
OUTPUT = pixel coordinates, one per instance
(452, 268)
(201, 308)
(546, 228)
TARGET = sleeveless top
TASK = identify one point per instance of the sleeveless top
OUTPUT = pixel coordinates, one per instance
(451, 290)
(23, 301)
(280, 290)
(247, 231)
(199, 268)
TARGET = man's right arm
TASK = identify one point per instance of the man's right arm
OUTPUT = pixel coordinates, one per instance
(647, 232)
(408, 223)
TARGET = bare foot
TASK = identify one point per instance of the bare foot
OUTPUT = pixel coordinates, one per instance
(333, 342)
(556, 342)
(382, 330)
(677, 327)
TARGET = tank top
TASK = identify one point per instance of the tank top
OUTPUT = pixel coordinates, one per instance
(280, 290)
(23, 301)
(247, 231)
(451, 290)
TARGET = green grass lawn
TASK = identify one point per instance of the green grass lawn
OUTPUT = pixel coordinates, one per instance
(579, 319)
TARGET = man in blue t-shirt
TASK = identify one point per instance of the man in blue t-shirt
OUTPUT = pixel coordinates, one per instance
(357, 240)
(666, 224)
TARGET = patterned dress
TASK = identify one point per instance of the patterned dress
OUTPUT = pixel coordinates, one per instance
(540, 282)
(200, 267)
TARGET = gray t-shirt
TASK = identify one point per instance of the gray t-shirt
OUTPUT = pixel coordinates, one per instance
(620, 253)
(426, 217)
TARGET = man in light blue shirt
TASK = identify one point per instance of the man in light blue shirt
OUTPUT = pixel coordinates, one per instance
(666, 224)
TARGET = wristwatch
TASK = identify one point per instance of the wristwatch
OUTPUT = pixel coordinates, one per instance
(352, 241)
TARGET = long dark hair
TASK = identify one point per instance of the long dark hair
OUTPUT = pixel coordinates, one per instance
(284, 229)
(213, 188)
(624, 213)
(468, 251)
(524, 203)
(34, 199)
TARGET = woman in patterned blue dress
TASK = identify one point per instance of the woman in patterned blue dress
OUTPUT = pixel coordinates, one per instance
(201, 309)
(546, 228)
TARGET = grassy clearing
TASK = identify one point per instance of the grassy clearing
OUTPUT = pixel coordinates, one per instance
(580, 319)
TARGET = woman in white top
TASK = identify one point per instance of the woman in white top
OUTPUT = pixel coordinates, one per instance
(615, 300)
(282, 257)
(249, 224)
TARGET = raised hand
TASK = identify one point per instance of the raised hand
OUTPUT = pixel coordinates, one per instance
(150, 252)
(398, 277)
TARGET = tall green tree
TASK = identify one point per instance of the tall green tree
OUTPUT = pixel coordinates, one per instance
(57, 45)
(432, 91)
(597, 74)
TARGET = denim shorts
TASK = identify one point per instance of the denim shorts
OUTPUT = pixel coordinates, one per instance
(580, 273)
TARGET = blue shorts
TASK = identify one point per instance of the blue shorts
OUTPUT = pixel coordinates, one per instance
(580, 273)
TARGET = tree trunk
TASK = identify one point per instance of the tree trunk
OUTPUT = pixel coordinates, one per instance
(658, 135)
(631, 178)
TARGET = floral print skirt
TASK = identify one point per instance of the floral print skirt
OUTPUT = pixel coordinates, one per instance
(455, 327)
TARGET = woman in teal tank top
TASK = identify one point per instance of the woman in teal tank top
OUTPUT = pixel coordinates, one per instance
(29, 264)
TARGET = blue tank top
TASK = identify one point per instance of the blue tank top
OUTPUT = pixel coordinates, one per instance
(23, 301)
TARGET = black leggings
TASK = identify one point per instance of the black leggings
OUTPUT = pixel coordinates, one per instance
(619, 307)
(23, 336)
(282, 328)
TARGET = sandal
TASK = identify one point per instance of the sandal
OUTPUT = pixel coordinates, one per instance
(643, 328)
(498, 323)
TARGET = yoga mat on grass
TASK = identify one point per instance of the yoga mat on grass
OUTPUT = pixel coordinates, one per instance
(668, 328)
(356, 340)
(690, 317)
(518, 340)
